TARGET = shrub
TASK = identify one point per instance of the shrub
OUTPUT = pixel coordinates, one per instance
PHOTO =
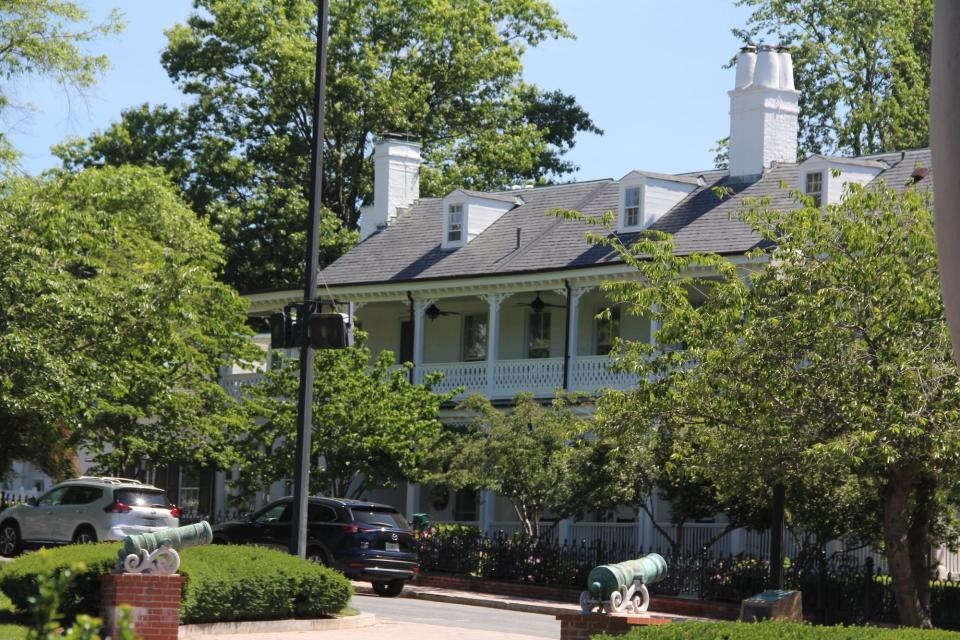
(224, 583)
(20, 579)
(251, 583)
(775, 631)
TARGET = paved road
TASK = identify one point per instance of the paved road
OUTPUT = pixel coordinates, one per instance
(458, 615)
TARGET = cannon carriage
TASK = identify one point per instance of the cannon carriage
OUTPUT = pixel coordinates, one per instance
(621, 587)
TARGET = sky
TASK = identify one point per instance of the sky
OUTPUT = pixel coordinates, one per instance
(649, 72)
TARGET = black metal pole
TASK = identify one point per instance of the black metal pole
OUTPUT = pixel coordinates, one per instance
(776, 536)
(301, 486)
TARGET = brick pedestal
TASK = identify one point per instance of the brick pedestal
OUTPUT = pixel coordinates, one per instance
(583, 626)
(155, 601)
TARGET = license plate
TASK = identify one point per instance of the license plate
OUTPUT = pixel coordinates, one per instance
(393, 546)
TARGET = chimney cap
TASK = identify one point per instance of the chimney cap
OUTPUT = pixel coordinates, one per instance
(396, 137)
(748, 48)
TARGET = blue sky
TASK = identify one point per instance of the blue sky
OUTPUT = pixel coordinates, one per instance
(649, 72)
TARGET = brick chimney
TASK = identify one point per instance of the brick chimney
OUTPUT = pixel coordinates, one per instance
(396, 182)
(764, 106)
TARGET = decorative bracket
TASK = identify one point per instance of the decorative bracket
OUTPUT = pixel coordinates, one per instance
(634, 599)
(163, 561)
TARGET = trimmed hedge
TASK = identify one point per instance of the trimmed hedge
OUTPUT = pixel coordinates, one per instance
(224, 583)
(774, 631)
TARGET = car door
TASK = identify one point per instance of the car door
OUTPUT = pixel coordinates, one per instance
(271, 527)
(75, 509)
(43, 522)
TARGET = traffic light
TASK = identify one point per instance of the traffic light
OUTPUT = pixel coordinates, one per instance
(283, 331)
(329, 330)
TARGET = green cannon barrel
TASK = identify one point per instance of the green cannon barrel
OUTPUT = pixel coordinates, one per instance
(190, 535)
(607, 578)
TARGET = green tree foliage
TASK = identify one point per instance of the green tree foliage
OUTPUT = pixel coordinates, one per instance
(523, 455)
(369, 423)
(47, 38)
(113, 327)
(449, 73)
(826, 365)
(862, 67)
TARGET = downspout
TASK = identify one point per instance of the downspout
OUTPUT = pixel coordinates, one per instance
(566, 340)
(413, 331)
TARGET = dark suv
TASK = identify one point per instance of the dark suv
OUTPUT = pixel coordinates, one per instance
(364, 540)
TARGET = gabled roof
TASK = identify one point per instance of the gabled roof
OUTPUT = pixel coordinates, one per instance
(409, 249)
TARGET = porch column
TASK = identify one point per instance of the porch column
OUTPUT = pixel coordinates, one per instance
(412, 499)
(645, 525)
(737, 541)
(493, 338)
(419, 306)
(488, 511)
(573, 330)
(563, 531)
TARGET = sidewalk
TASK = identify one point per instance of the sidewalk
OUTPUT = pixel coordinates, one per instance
(510, 603)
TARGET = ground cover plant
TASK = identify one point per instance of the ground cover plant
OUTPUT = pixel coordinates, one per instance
(775, 631)
(224, 583)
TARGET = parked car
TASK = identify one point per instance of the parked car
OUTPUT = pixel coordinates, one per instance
(86, 509)
(364, 540)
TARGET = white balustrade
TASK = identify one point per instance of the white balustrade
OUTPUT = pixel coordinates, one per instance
(592, 373)
(620, 534)
(539, 376)
(233, 383)
(472, 376)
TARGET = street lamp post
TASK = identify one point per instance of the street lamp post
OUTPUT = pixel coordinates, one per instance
(301, 487)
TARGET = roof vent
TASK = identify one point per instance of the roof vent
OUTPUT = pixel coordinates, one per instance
(919, 173)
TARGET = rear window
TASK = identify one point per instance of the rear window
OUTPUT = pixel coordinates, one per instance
(380, 517)
(142, 497)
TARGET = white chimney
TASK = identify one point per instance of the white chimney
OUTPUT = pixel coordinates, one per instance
(764, 106)
(396, 183)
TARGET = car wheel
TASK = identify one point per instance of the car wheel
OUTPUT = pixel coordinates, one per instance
(388, 589)
(220, 540)
(317, 555)
(84, 535)
(10, 541)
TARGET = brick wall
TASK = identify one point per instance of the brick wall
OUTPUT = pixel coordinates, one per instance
(155, 601)
(580, 626)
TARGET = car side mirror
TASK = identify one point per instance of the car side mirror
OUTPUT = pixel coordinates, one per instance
(32, 502)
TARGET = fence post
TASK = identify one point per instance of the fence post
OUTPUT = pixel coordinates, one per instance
(867, 587)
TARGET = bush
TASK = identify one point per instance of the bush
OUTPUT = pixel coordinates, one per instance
(251, 583)
(775, 631)
(224, 583)
(20, 579)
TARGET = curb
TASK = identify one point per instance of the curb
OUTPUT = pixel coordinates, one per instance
(277, 626)
(509, 605)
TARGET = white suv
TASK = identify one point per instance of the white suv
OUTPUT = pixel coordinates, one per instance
(86, 509)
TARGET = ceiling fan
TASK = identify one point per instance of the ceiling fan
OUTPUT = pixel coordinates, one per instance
(433, 312)
(538, 305)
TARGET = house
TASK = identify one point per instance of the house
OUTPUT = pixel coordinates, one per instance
(502, 297)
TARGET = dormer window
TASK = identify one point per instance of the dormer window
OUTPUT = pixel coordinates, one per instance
(455, 223)
(631, 206)
(814, 187)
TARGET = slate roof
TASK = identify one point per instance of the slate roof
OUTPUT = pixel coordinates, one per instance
(409, 249)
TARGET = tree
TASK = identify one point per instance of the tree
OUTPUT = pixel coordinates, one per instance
(448, 73)
(825, 366)
(369, 423)
(862, 68)
(47, 37)
(523, 455)
(113, 327)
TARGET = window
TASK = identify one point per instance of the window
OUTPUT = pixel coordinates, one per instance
(465, 505)
(455, 223)
(814, 187)
(607, 330)
(474, 337)
(142, 497)
(406, 341)
(631, 207)
(380, 517)
(82, 495)
(274, 513)
(320, 513)
(53, 498)
(538, 335)
(190, 489)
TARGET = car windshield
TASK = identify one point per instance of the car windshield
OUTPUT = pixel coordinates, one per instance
(142, 497)
(380, 517)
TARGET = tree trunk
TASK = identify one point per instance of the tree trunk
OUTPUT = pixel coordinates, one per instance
(895, 501)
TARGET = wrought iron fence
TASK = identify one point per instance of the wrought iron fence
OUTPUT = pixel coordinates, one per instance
(10, 499)
(191, 517)
(840, 589)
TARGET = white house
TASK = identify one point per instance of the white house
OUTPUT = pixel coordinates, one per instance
(502, 297)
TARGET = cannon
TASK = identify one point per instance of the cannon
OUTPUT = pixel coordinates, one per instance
(156, 551)
(623, 586)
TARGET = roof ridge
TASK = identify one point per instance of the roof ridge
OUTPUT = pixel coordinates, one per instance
(523, 250)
